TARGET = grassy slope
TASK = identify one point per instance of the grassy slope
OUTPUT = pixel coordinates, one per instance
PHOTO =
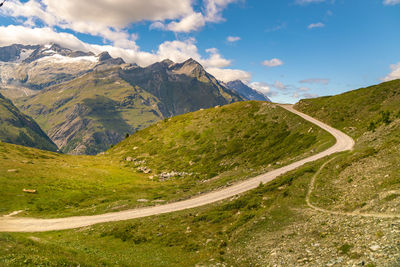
(94, 184)
(354, 111)
(17, 128)
(225, 141)
(268, 225)
(367, 179)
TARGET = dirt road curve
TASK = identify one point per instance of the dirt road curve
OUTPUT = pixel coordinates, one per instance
(14, 224)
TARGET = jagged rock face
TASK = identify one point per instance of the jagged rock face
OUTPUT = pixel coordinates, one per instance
(246, 91)
(17, 128)
(181, 88)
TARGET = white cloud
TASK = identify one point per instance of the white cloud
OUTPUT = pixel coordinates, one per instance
(316, 25)
(233, 39)
(117, 13)
(108, 18)
(304, 89)
(391, 2)
(227, 75)
(315, 81)
(192, 22)
(24, 35)
(214, 9)
(395, 74)
(261, 87)
(275, 62)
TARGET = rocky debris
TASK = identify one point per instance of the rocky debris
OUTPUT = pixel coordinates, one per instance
(12, 170)
(144, 169)
(324, 240)
(374, 247)
(158, 201)
(167, 175)
(130, 159)
(142, 200)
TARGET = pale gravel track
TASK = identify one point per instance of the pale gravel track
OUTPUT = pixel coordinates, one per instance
(15, 224)
(341, 213)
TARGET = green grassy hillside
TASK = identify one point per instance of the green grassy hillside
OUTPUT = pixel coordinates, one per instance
(271, 224)
(210, 148)
(224, 141)
(369, 178)
(17, 128)
(357, 111)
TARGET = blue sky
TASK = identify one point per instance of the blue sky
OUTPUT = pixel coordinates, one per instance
(288, 49)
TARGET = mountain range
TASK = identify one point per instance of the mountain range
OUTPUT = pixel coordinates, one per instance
(87, 102)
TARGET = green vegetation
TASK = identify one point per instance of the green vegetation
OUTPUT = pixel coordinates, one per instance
(242, 231)
(178, 239)
(224, 141)
(72, 185)
(372, 169)
(17, 128)
(357, 111)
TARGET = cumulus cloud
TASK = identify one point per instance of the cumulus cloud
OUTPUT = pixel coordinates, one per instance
(194, 21)
(233, 39)
(262, 88)
(315, 81)
(395, 74)
(316, 25)
(391, 2)
(227, 75)
(275, 62)
(108, 18)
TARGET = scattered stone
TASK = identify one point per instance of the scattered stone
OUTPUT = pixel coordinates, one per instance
(12, 170)
(144, 170)
(130, 159)
(167, 175)
(374, 247)
(142, 200)
(31, 191)
(159, 201)
(135, 148)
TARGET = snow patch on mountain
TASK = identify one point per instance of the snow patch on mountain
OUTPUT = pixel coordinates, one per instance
(57, 58)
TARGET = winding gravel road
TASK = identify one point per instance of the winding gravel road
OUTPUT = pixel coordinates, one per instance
(15, 224)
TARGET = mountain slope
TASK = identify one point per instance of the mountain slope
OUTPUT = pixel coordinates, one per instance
(246, 91)
(89, 113)
(17, 128)
(182, 87)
